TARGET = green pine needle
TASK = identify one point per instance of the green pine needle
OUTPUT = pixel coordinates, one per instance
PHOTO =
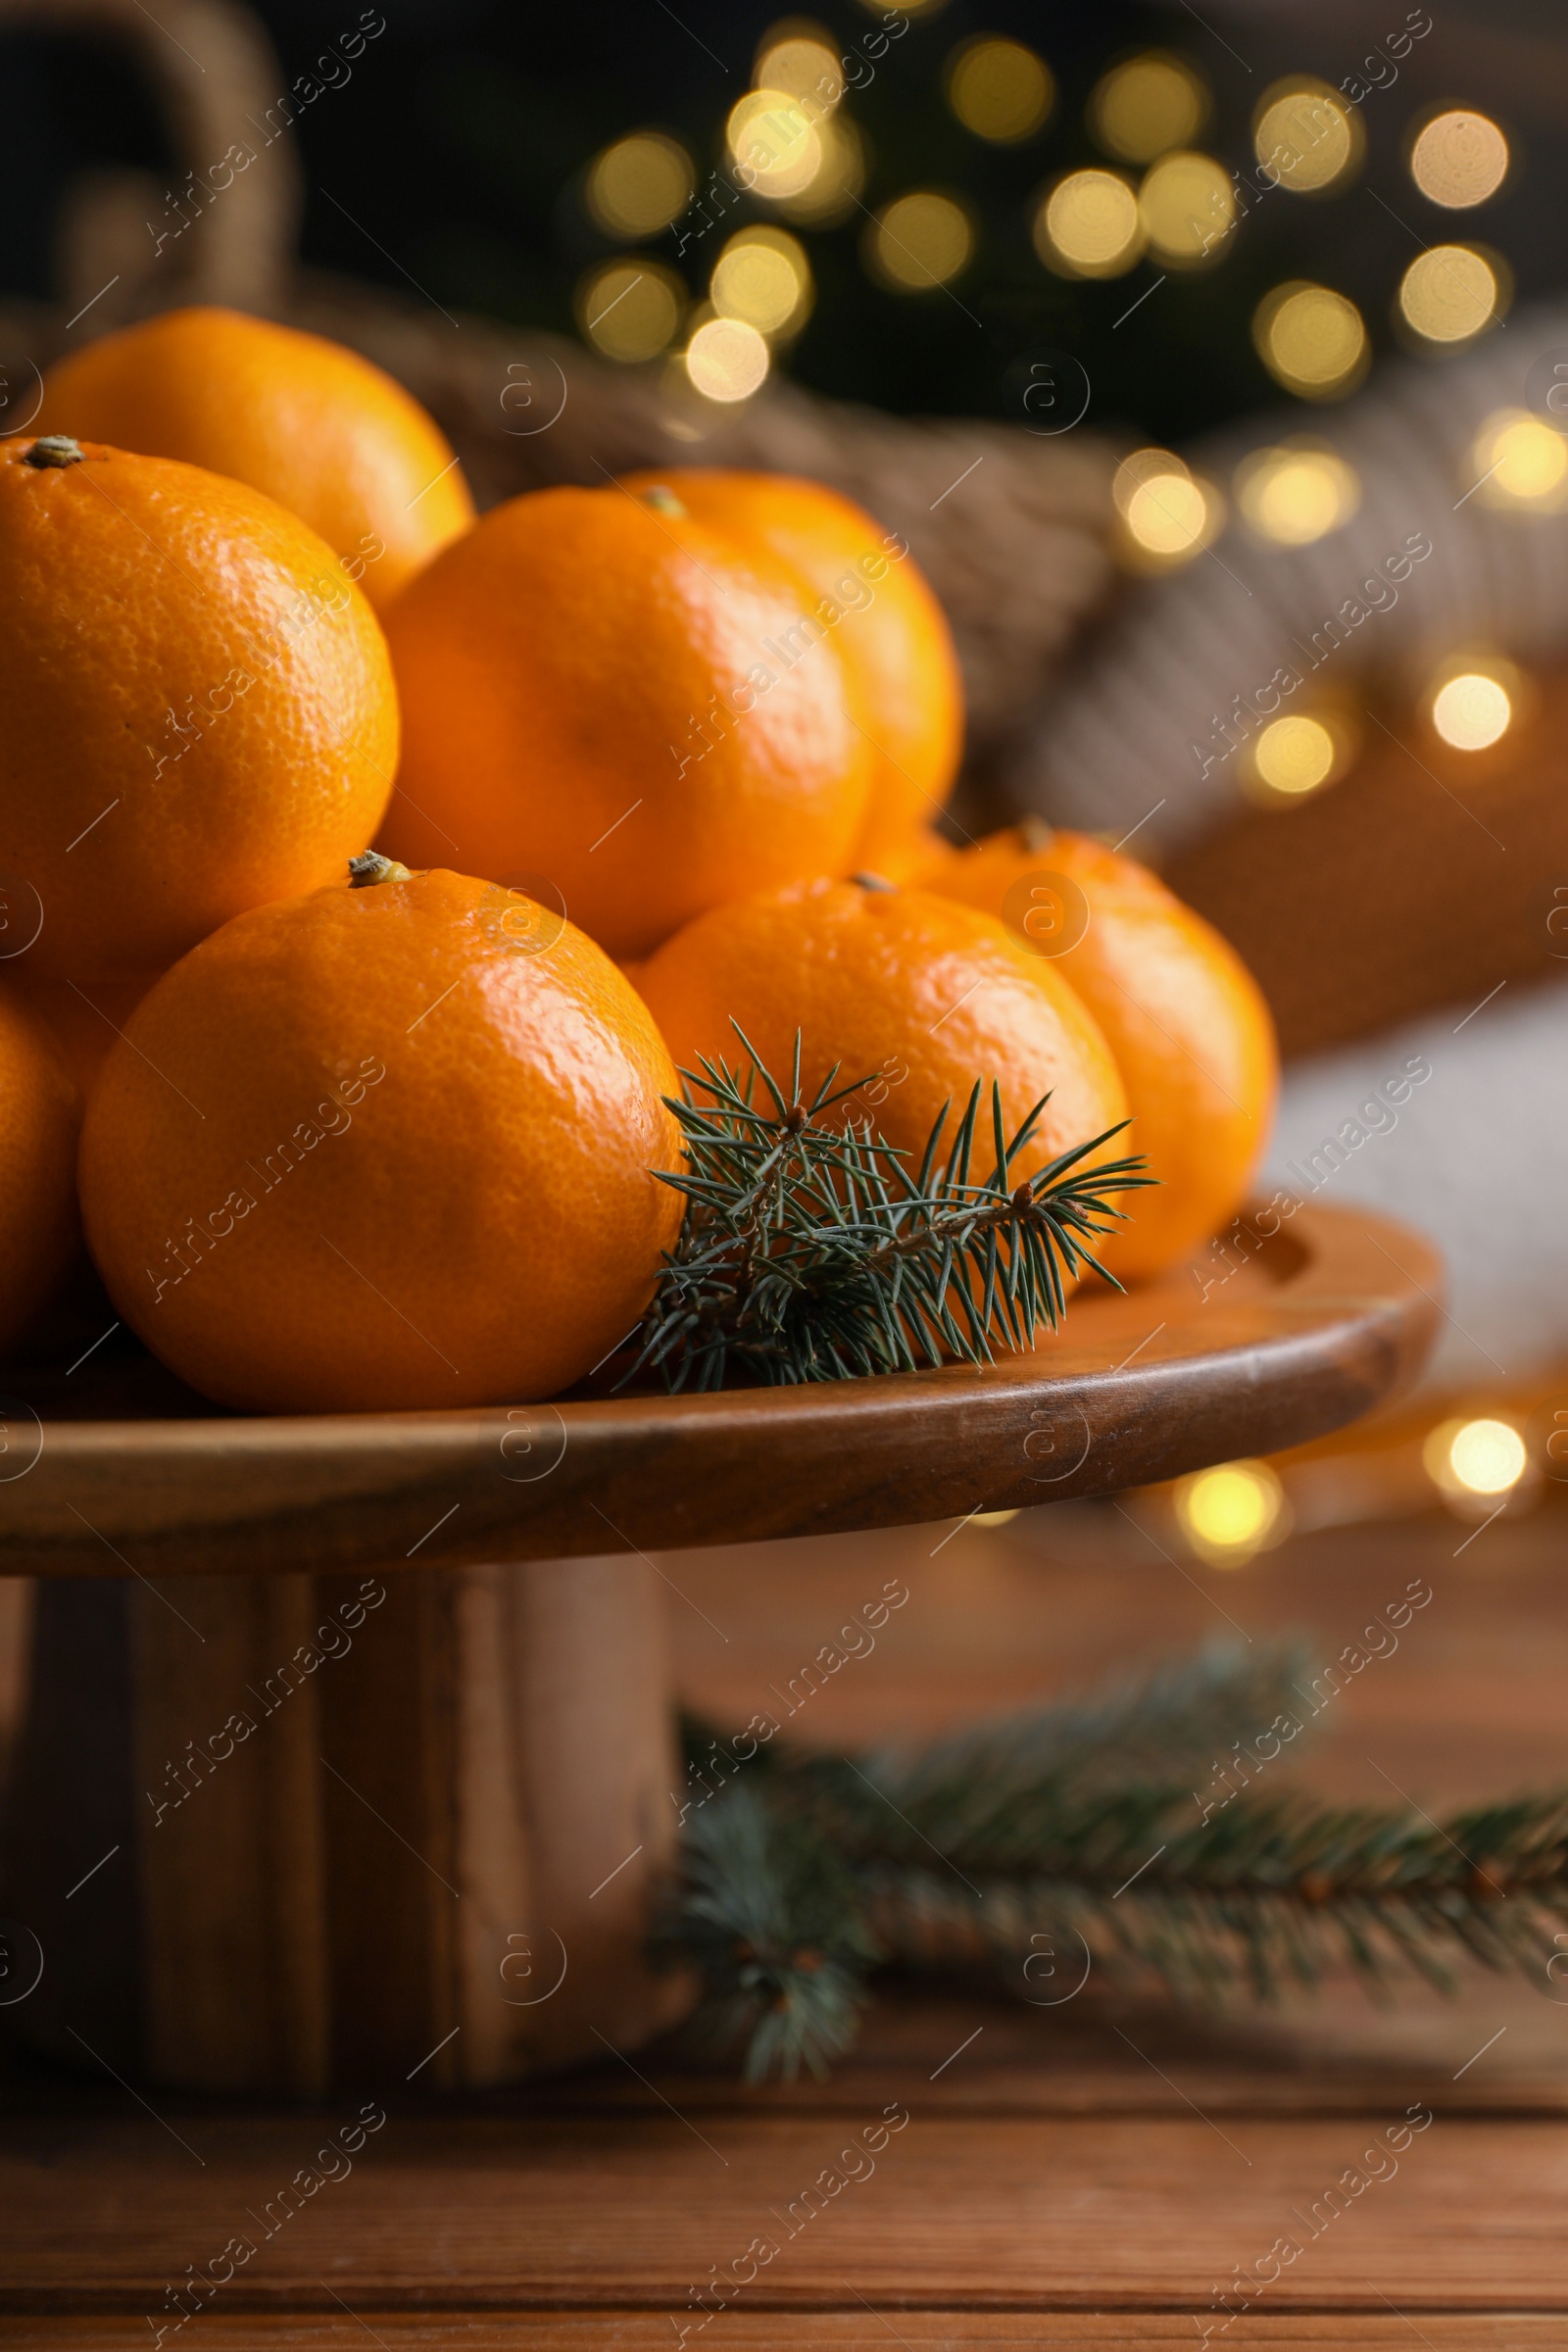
(770, 1918)
(809, 1251)
(1068, 1843)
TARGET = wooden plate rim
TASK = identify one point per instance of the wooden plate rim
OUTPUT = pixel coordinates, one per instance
(1346, 1319)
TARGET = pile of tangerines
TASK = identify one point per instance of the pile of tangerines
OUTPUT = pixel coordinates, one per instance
(349, 1130)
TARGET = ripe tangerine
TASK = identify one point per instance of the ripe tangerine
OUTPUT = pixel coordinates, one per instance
(863, 589)
(40, 1112)
(1184, 1017)
(300, 418)
(383, 1148)
(599, 688)
(918, 994)
(196, 708)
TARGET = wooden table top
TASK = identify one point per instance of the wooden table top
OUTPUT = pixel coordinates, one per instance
(1087, 2178)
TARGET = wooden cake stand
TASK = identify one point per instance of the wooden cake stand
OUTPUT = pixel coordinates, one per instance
(360, 1726)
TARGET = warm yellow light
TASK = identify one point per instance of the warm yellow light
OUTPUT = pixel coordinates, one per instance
(763, 277)
(1187, 205)
(1449, 293)
(637, 186)
(1310, 339)
(992, 1518)
(1519, 458)
(1295, 755)
(1459, 159)
(1487, 1456)
(773, 140)
(1141, 466)
(1480, 1457)
(1306, 138)
(919, 241)
(1169, 515)
(1292, 496)
(1232, 1511)
(1471, 711)
(1088, 225)
(803, 64)
(1148, 106)
(999, 89)
(727, 359)
(629, 310)
(833, 193)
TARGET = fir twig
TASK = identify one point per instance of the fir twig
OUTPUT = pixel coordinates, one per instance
(1071, 1842)
(809, 1251)
(770, 1918)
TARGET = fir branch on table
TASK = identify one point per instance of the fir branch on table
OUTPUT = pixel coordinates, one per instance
(811, 1251)
(983, 1788)
(1003, 1846)
(770, 1918)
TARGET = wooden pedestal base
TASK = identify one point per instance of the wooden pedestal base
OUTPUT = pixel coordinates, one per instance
(277, 1832)
(344, 1830)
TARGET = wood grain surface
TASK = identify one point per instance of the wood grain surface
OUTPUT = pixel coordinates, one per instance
(1328, 1316)
(1081, 2181)
(864, 2329)
(983, 2211)
(381, 1860)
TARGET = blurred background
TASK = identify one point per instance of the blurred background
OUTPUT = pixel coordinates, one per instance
(1216, 364)
(507, 159)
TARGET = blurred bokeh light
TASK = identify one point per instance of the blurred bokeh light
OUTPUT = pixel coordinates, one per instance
(773, 143)
(1520, 459)
(1311, 340)
(1305, 138)
(727, 359)
(1167, 513)
(1449, 293)
(1089, 225)
(799, 58)
(1142, 109)
(630, 309)
(1296, 493)
(919, 241)
(1232, 1511)
(1295, 754)
(637, 186)
(762, 277)
(832, 194)
(1481, 1458)
(1459, 159)
(1472, 709)
(999, 89)
(1186, 207)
